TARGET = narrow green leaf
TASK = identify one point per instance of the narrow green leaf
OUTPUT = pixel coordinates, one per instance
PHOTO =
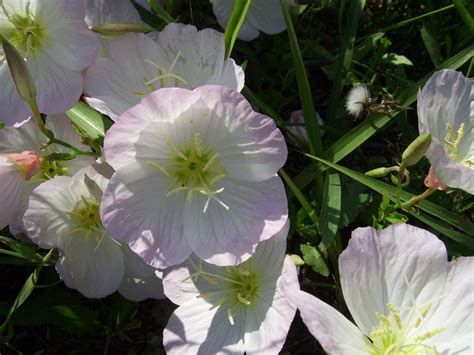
(160, 11)
(26, 290)
(313, 258)
(92, 123)
(331, 208)
(20, 249)
(465, 15)
(344, 59)
(309, 112)
(237, 18)
(429, 207)
(431, 45)
(300, 197)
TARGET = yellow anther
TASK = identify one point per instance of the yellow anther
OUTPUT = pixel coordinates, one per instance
(383, 318)
(395, 314)
(429, 335)
(243, 299)
(425, 310)
(230, 316)
(206, 295)
(158, 167)
(379, 333)
(198, 144)
(391, 350)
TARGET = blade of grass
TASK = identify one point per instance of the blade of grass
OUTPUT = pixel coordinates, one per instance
(331, 208)
(160, 11)
(26, 290)
(431, 45)
(391, 192)
(465, 15)
(237, 18)
(344, 59)
(300, 197)
(307, 104)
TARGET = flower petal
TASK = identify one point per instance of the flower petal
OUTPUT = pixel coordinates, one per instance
(398, 265)
(135, 210)
(93, 267)
(11, 186)
(257, 211)
(255, 148)
(335, 333)
(14, 109)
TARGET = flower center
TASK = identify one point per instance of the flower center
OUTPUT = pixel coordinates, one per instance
(236, 288)
(28, 34)
(86, 218)
(50, 169)
(194, 168)
(392, 337)
(452, 141)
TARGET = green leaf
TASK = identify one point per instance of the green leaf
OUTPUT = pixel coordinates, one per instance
(354, 198)
(331, 208)
(21, 249)
(431, 45)
(25, 291)
(397, 59)
(92, 123)
(429, 207)
(465, 15)
(309, 112)
(313, 258)
(160, 11)
(344, 59)
(237, 18)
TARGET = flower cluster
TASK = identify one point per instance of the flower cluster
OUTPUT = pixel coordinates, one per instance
(182, 199)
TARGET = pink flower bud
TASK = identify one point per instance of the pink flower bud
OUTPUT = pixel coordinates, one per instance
(28, 161)
(432, 181)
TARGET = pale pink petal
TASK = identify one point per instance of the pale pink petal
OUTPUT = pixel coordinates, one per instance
(135, 210)
(398, 265)
(222, 9)
(255, 148)
(221, 236)
(335, 333)
(93, 267)
(12, 180)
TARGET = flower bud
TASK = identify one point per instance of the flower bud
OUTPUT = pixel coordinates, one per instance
(381, 172)
(27, 161)
(432, 181)
(117, 29)
(416, 150)
(19, 71)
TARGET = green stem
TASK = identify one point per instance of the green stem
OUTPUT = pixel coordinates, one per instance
(416, 199)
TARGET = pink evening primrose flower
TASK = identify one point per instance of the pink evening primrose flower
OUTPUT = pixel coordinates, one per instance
(137, 64)
(231, 309)
(28, 137)
(15, 169)
(54, 40)
(262, 16)
(195, 172)
(446, 111)
(63, 213)
(403, 294)
(300, 132)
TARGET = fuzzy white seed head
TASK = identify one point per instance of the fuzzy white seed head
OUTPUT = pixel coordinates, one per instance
(357, 99)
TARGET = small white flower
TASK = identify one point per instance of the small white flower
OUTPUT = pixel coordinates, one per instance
(403, 294)
(446, 111)
(233, 309)
(357, 100)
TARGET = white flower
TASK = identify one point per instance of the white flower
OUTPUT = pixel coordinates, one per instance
(446, 111)
(262, 16)
(57, 45)
(402, 293)
(63, 213)
(195, 172)
(357, 100)
(137, 64)
(15, 169)
(27, 137)
(233, 309)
